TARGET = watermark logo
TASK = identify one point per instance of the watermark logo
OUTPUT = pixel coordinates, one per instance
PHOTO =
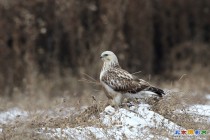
(190, 132)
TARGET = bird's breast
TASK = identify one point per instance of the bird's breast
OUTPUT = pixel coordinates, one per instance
(110, 91)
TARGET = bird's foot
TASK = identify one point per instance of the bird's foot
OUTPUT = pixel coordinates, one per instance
(128, 104)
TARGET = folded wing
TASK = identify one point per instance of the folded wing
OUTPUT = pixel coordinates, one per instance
(122, 81)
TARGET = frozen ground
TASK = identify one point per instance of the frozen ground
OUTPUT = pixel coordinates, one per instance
(132, 123)
(136, 122)
(11, 115)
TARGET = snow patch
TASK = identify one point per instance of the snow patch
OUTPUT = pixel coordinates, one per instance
(135, 122)
(198, 110)
(131, 123)
(208, 96)
(11, 114)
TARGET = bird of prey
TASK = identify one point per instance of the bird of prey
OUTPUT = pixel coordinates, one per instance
(120, 84)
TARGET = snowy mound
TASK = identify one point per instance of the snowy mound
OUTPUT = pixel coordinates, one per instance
(132, 123)
(135, 122)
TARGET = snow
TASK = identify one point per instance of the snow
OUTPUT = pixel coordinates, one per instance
(203, 110)
(136, 116)
(197, 109)
(135, 122)
(208, 96)
(11, 114)
(132, 123)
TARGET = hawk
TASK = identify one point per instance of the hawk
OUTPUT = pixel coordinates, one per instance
(120, 84)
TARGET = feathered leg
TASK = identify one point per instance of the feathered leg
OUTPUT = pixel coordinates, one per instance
(117, 100)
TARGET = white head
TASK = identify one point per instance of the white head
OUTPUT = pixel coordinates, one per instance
(109, 56)
(110, 59)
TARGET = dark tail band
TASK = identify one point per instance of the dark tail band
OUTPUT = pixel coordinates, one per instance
(158, 91)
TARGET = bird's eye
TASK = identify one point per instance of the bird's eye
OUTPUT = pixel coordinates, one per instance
(105, 54)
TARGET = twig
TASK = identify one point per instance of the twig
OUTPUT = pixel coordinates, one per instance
(89, 80)
(182, 77)
(90, 77)
(136, 72)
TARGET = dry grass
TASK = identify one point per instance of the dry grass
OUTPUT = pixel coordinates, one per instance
(28, 128)
(169, 104)
(54, 111)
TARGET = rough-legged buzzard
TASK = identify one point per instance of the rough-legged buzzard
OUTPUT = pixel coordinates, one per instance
(119, 83)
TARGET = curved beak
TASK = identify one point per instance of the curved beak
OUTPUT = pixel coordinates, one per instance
(101, 57)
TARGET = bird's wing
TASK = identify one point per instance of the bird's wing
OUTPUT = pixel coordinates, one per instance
(122, 81)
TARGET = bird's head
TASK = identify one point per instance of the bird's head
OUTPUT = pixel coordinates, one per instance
(110, 60)
(109, 56)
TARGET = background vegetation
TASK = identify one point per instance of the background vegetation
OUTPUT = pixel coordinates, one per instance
(46, 46)
(49, 58)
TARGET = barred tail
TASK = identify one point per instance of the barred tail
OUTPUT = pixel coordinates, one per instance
(158, 91)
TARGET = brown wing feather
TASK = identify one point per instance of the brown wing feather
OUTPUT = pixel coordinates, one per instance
(149, 87)
(122, 81)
